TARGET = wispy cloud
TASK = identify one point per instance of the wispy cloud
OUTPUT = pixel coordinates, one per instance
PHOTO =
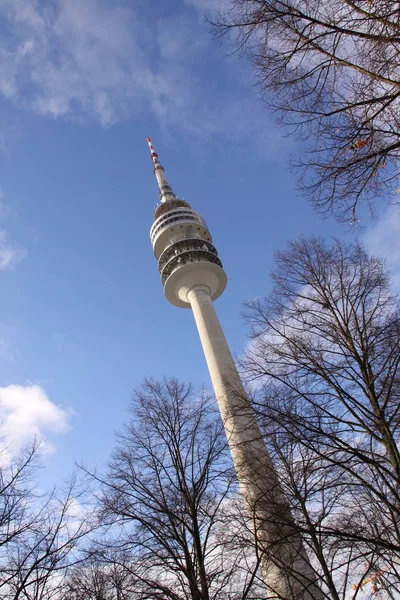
(5, 349)
(75, 57)
(207, 5)
(383, 239)
(107, 61)
(26, 412)
(10, 253)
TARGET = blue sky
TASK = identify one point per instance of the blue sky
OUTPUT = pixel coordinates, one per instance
(82, 313)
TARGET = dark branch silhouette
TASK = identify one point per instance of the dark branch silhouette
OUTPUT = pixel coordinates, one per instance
(330, 73)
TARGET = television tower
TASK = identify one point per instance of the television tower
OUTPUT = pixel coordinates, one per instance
(192, 277)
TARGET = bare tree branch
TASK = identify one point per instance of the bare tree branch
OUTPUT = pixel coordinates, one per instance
(330, 72)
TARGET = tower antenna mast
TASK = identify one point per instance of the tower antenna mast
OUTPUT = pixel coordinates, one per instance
(165, 189)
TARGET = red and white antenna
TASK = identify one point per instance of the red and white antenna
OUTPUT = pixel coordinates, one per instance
(166, 192)
(153, 153)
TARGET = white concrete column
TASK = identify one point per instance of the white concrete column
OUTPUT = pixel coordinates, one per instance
(285, 565)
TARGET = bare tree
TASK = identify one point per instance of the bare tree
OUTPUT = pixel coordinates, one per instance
(326, 352)
(40, 535)
(95, 580)
(16, 474)
(330, 71)
(169, 500)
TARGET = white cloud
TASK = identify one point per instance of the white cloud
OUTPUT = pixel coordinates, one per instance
(208, 5)
(87, 59)
(4, 209)
(383, 239)
(27, 412)
(5, 349)
(76, 57)
(95, 60)
(10, 253)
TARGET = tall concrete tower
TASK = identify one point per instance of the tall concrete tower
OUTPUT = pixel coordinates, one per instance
(192, 276)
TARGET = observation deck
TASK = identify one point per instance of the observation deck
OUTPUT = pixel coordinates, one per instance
(186, 256)
(182, 245)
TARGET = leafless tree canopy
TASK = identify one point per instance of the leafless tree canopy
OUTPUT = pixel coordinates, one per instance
(41, 536)
(326, 353)
(96, 580)
(168, 503)
(330, 71)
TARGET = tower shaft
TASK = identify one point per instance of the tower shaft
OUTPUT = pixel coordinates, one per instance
(192, 276)
(284, 562)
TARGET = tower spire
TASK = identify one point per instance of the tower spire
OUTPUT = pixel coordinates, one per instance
(166, 192)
